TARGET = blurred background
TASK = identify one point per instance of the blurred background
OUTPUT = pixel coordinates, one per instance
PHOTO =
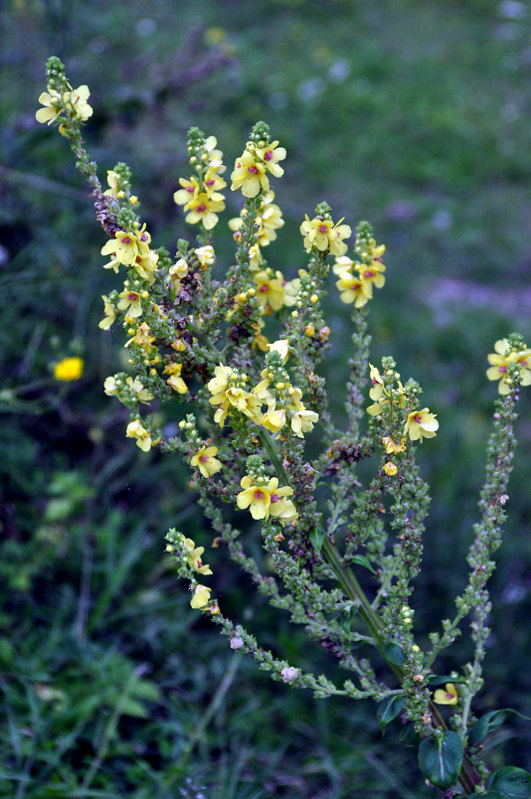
(412, 115)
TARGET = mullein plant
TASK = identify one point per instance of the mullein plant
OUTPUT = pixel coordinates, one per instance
(244, 352)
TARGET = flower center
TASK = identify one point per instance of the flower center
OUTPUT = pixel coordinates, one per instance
(417, 418)
(132, 296)
(253, 170)
(201, 207)
(268, 156)
(258, 495)
(190, 189)
(275, 498)
(203, 458)
(323, 229)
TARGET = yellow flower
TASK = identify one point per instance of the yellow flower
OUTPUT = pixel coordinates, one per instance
(249, 175)
(201, 597)
(143, 437)
(390, 468)
(175, 381)
(203, 209)
(214, 157)
(77, 99)
(50, 100)
(269, 291)
(146, 264)
(370, 275)
(323, 234)
(302, 421)
(391, 446)
(274, 420)
(205, 255)
(354, 289)
(377, 390)
(213, 184)
(130, 301)
(343, 264)
(189, 191)
(178, 271)
(193, 556)
(142, 338)
(266, 499)
(448, 696)
(110, 313)
(124, 247)
(205, 461)
(282, 347)
(421, 424)
(68, 369)
(137, 387)
(271, 155)
(501, 359)
(113, 179)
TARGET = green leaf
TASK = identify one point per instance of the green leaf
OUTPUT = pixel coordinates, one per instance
(361, 560)
(389, 710)
(144, 689)
(440, 761)
(317, 538)
(394, 654)
(511, 782)
(490, 722)
(130, 707)
(438, 679)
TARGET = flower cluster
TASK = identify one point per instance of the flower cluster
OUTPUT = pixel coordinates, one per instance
(358, 278)
(200, 195)
(253, 407)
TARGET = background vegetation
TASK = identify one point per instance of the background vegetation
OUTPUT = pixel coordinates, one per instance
(409, 114)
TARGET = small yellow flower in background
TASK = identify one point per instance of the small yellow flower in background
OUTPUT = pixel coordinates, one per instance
(124, 247)
(269, 290)
(175, 381)
(274, 420)
(68, 369)
(266, 499)
(77, 99)
(302, 421)
(271, 155)
(421, 424)
(214, 157)
(354, 289)
(391, 446)
(184, 196)
(193, 555)
(113, 179)
(448, 696)
(215, 35)
(325, 235)
(205, 255)
(201, 597)
(343, 265)
(130, 301)
(282, 347)
(203, 209)
(205, 461)
(390, 468)
(213, 184)
(178, 271)
(110, 313)
(500, 360)
(249, 175)
(143, 437)
(137, 387)
(50, 100)
(142, 338)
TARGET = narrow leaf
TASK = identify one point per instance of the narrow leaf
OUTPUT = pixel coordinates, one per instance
(490, 722)
(317, 538)
(511, 782)
(440, 761)
(389, 709)
(361, 560)
(394, 654)
(438, 679)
